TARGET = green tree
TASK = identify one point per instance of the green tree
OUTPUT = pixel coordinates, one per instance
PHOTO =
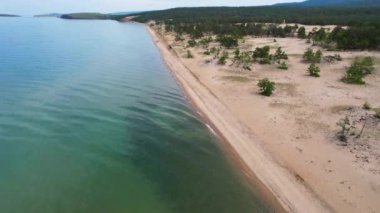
(266, 86)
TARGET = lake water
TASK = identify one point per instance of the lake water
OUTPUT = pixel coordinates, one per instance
(92, 121)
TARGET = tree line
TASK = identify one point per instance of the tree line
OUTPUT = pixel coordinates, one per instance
(363, 31)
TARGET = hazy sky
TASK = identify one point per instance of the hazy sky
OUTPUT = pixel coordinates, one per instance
(30, 7)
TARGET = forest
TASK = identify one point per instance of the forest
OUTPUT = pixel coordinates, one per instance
(363, 30)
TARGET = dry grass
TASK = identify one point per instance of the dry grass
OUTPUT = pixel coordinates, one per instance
(241, 79)
(340, 108)
(289, 88)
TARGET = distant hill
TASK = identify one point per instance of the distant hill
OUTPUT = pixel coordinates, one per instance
(94, 16)
(125, 13)
(48, 15)
(340, 3)
(85, 16)
(8, 15)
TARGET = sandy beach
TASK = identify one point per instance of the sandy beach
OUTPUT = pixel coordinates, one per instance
(286, 142)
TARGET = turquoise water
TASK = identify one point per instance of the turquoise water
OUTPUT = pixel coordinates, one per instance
(91, 121)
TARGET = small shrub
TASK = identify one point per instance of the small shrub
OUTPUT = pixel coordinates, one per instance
(264, 61)
(261, 52)
(266, 87)
(314, 70)
(366, 106)
(318, 56)
(332, 58)
(280, 54)
(346, 126)
(212, 50)
(358, 70)
(237, 54)
(301, 32)
(377, 113)
(178, 38)
(228, 41)
(205, 41)
(354, 75)
(311, 57)
(192, 43)
(189, 54)
(207, 52)
(338, 57)
(367, 64)
(223, 59)
(282, 66)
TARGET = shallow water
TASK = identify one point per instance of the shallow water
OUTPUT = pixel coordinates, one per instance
(91, 121)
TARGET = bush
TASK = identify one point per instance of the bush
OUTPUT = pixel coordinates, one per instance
(338, 57)
(264, 61)
(314, 70)
(301, 32)
(377, 113)
(192, 43)
(178, 38)
(366, 106)
(189, 54)
(237, 54)
(213, 50)
(261, 52)
(311, 57)
(223, 59)
(280, 54)
(367, 64)
(354, 75)
(358, 70)
(346, 126)
(318, 56)
(205, 41)
(266, 87)
(282, 66)
(228, 41)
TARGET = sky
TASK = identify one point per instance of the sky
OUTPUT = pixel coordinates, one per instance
(32, 7)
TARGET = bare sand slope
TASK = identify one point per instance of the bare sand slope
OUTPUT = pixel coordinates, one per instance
(281, 182)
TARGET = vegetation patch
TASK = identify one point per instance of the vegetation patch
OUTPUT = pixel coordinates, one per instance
(358, 70)
(314, 70)
(266, 86)
(312, 57)
(236, 78)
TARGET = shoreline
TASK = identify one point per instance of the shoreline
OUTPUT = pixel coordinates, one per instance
(277, 185)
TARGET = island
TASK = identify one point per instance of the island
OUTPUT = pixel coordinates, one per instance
(55, 15)
(8, 15)
(93, 16)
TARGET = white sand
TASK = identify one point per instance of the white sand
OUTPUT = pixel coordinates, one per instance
(287, 140)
